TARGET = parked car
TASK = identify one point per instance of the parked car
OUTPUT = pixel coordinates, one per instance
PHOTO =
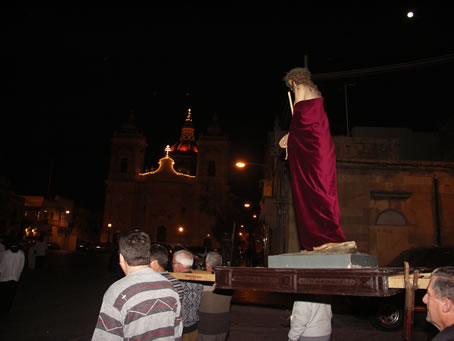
(101, 247)
(387, 313)
(85, 245)
(53, 246)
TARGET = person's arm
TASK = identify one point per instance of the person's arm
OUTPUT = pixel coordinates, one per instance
(109, 326)
(301, 315)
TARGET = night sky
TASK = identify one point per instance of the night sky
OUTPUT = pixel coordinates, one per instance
(70, 77)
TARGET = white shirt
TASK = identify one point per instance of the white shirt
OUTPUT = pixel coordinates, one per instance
(310, 319)
(11, 266)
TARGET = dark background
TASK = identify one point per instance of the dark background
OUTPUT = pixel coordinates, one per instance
(70, 77)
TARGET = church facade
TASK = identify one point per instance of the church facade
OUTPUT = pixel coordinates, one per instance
(178, 202)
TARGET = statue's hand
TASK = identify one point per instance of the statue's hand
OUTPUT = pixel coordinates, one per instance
(283, 144)
(283, 141)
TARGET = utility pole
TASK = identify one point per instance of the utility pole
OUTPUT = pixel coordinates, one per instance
(346, 108)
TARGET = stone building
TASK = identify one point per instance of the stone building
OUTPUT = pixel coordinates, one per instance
(180, 200)
(389, 200)
(51, 218)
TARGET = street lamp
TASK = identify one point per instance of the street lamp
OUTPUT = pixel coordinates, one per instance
(243, 164)
(109, 228)
(180, 234)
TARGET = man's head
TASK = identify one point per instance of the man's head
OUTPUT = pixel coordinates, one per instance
(213, 259)
(182, 261)
(134, 248)
(439, 297)
(159, 257)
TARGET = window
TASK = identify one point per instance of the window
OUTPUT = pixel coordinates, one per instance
(391, 217)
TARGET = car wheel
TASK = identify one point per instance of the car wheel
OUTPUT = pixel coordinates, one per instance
(387, 316)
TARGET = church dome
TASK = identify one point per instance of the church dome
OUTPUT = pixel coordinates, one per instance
(187, 140)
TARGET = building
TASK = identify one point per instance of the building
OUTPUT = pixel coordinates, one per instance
(181, 200)
(391, 197)
(51, 218)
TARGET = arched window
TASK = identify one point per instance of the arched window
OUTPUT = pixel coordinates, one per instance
(391, 217)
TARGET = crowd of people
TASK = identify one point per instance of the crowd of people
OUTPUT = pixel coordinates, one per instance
(148, 303)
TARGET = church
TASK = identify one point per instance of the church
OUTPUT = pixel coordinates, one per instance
(181, 200)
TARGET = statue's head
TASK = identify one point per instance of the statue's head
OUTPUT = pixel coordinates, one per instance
(300, 75)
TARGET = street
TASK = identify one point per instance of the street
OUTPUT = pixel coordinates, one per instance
(61, 301)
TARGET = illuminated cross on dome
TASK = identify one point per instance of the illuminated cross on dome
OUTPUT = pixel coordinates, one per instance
(167, 149)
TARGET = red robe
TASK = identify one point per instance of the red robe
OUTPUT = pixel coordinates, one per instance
(312, 164)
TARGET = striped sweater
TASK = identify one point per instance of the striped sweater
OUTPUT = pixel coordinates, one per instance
(176, 284)
(141, 306)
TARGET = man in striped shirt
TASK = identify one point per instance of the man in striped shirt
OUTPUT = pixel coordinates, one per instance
(143, 305)
(160, 262)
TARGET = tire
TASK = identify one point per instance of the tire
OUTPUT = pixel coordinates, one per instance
(387, 316)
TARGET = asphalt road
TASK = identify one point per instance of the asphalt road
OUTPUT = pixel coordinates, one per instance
(61, 303)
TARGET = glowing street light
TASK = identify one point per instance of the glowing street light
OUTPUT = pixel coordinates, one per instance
(244, 164)
(109, 228)
(180, 229)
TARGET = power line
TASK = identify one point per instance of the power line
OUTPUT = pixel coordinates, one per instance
(383, 69)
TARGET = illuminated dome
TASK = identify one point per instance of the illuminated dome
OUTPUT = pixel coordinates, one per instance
(187, 140)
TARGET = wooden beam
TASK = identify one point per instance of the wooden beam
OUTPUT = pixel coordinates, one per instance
(195, 275)
(398, 282)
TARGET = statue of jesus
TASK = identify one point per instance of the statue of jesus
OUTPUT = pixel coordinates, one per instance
(312, 164)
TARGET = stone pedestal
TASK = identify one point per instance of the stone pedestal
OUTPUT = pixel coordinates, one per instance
(312, 261)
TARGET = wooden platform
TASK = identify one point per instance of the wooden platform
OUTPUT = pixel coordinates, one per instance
(379, 282)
